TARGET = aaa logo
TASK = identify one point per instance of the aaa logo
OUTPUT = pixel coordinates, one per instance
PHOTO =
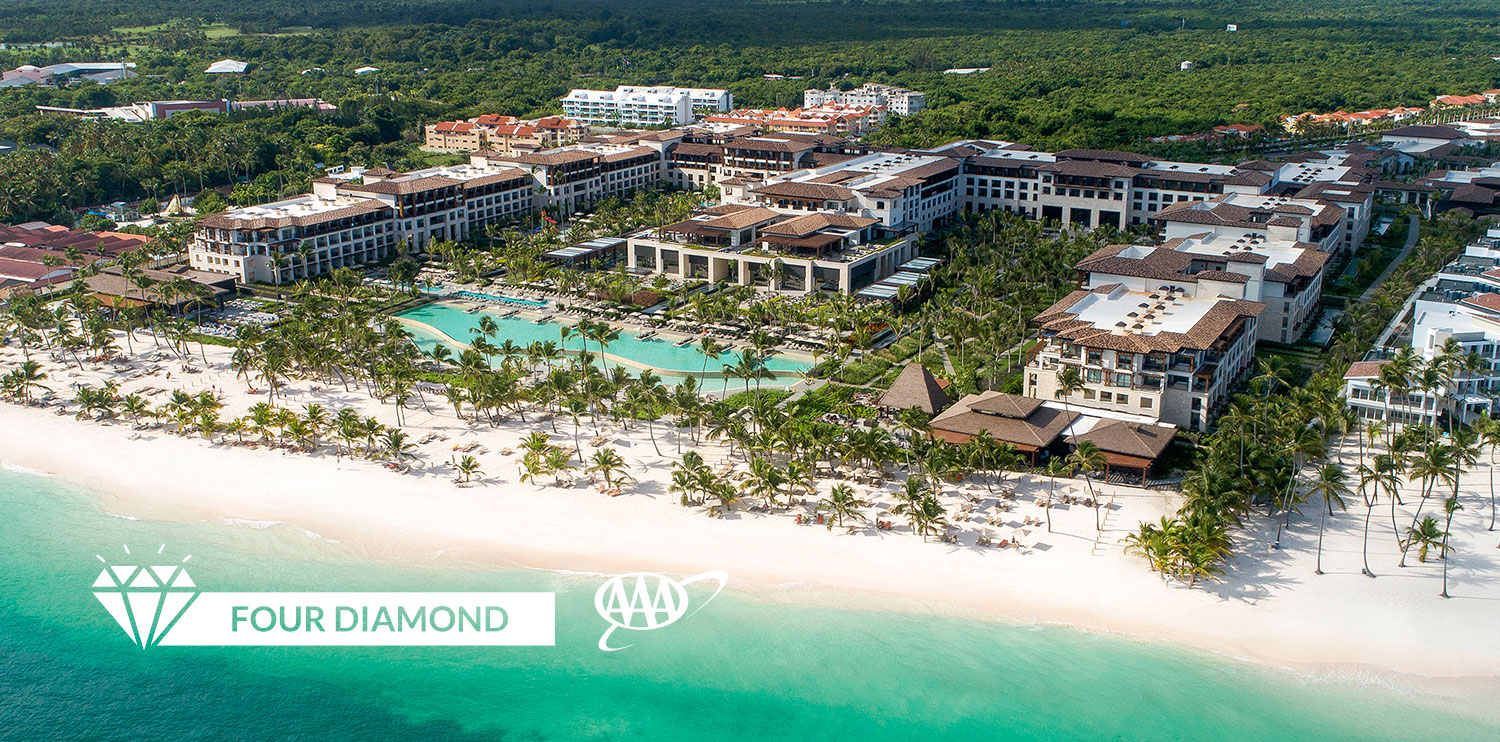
(646, 601)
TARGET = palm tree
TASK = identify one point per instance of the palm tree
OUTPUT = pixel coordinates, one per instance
(396, 445)
(841, 502)
(1087, 458)
(1433, 464)
(469, 466)
(1304, 443)
(1069, 382)
(1489, 433)
(608, 464)
(1330, 486)
(1450, 506)
(1424, 534)
(711, 350)
(1382, 475)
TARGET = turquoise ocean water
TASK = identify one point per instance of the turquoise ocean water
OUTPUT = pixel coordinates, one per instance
(745, 668)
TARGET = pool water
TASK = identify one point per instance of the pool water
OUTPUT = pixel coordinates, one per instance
(660, 354)
(502, 299)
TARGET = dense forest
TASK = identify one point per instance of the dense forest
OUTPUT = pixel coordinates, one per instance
(1063, 74)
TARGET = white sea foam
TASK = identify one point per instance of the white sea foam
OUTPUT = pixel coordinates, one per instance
(17, 468)
(122, 517)
(255, 524)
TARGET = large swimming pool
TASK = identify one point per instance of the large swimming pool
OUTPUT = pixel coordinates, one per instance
(660, 354)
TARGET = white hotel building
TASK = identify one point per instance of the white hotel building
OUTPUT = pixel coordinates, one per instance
(897, 100)
(1461, 302)
(630, 105)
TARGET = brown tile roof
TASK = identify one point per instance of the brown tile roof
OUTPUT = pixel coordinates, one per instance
(1488, 301)
(1103, 155)
(1007, 405)
(743, 219)
(1306, 265)
(1364, 369)
(552, 159)
(1201, 336)
(1425, 131)
(726, 208)
(794, 189)
(697, 150)
(500, 177)
(762, 144)
(800, 226)
(402, 187)
(1035, 431)
(223, 220)
(1089, 168)
(1129, 439)
(1161, 263)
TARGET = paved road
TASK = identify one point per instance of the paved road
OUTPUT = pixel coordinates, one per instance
(1411, 241)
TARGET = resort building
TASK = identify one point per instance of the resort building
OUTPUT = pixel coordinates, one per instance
(772, 249)
(834, 119)
(364, 217)
(40, 257)
(503, 134)
(1038, 429)
(55, 74)
(1275, 218)
(1023, 422)
(904, 192)
(145, 111)
(1168, 353)
(176, 288)
(1426, 140)
(1460, 302)
(160, 109)
(263, 243)
(897, 100)
(572, 179)
(1091, 188)
(629, 105)
(1287, 277)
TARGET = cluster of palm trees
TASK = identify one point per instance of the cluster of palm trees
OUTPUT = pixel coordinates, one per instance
(1280, 445)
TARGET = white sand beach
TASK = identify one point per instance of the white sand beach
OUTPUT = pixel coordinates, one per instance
(1271, 607)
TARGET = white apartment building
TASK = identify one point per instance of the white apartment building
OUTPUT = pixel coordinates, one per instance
(897, 100)
(1460, 302)
(630, 105)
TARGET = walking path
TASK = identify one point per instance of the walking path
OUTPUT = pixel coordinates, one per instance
(1411, 241)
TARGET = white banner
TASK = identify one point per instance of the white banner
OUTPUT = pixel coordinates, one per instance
(352, 619)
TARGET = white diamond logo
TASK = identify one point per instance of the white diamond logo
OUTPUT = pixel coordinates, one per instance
(145, 601)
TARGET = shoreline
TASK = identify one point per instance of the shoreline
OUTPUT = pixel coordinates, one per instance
(371, 528)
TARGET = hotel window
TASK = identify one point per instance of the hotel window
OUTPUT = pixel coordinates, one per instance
(1106, 397)
(1088, 394)
(1145, 403)
(1094, 376)
(1096, 357)
(1123, 399)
